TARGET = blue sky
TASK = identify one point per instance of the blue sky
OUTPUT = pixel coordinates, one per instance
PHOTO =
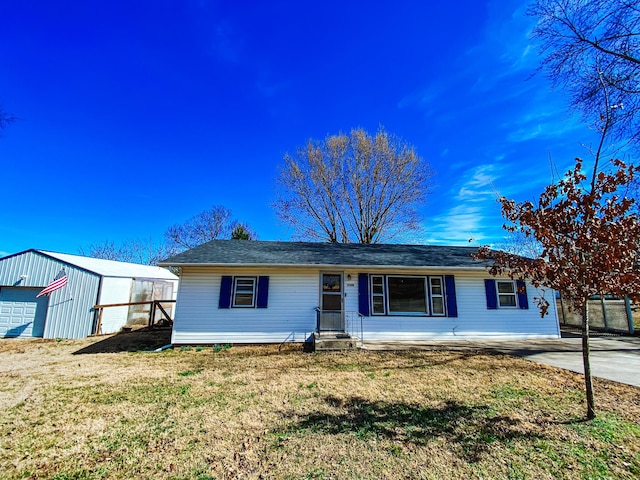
(134, 116)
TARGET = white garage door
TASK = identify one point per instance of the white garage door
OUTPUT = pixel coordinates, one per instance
(21, 313)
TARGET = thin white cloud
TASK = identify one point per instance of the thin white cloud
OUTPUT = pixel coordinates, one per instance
(508, 33)
(474, 214)
(505, 49)
(269, 88)
(425, 99)
(479, 182)
(508, 122)
(546, 117)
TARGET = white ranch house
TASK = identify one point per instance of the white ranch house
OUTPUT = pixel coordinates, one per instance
(240, 291)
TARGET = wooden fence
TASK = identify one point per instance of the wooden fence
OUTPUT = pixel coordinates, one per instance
(155, 307)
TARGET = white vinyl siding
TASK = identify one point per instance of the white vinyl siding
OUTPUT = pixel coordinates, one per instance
(294, 295)
(474, 320)
(290, 315)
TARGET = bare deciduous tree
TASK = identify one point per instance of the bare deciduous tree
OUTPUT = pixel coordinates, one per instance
(353, 188)
(145, 252)
(106, 250)
(518, 243)
(591, 44)
(201, 228)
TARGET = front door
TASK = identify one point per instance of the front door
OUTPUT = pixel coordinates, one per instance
(331, 312)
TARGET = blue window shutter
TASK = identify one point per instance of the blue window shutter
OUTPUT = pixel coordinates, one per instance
(263, 292)
(226, 285)
(363, 294)
(492, 296)
(521, 288)
(450, 289)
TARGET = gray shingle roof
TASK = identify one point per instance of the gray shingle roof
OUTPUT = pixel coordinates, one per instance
(254, 253)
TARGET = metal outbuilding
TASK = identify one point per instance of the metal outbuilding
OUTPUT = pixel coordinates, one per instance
(68, 312)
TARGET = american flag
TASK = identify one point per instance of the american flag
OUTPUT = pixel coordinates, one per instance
(58, 282)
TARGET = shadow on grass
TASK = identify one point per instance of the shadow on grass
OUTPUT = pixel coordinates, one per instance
(421, 359)
(574, 421)
(135, 341)
(467, 430)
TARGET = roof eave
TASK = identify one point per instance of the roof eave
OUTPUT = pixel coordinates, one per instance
(322, 265)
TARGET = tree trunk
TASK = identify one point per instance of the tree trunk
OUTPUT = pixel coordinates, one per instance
(591, 412)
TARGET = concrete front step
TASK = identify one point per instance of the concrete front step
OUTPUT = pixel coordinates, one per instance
(331, 341)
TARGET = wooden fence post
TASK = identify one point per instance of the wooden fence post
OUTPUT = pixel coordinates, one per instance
(152, 313)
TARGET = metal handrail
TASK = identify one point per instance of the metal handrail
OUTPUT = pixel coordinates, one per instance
(317, 309)
(352, 327)
(285, 340)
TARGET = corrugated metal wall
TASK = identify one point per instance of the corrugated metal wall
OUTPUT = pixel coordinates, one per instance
(70, 313)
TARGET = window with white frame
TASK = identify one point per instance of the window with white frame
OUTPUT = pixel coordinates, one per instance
(407, 295)
(506, 293)
(244, 289)
(437, 295)
(377, 295)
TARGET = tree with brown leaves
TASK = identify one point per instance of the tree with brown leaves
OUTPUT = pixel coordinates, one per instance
(353, 188)
(589, 236)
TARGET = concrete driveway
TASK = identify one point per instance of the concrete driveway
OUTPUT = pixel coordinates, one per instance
(613, 358)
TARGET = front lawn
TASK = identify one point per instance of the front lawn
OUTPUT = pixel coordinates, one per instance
(256, 412)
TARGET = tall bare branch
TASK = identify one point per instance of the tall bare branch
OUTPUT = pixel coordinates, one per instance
(591, 44)
(352, 188)
(201, 228)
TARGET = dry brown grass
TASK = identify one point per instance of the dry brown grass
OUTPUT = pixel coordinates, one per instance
(255, 412)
